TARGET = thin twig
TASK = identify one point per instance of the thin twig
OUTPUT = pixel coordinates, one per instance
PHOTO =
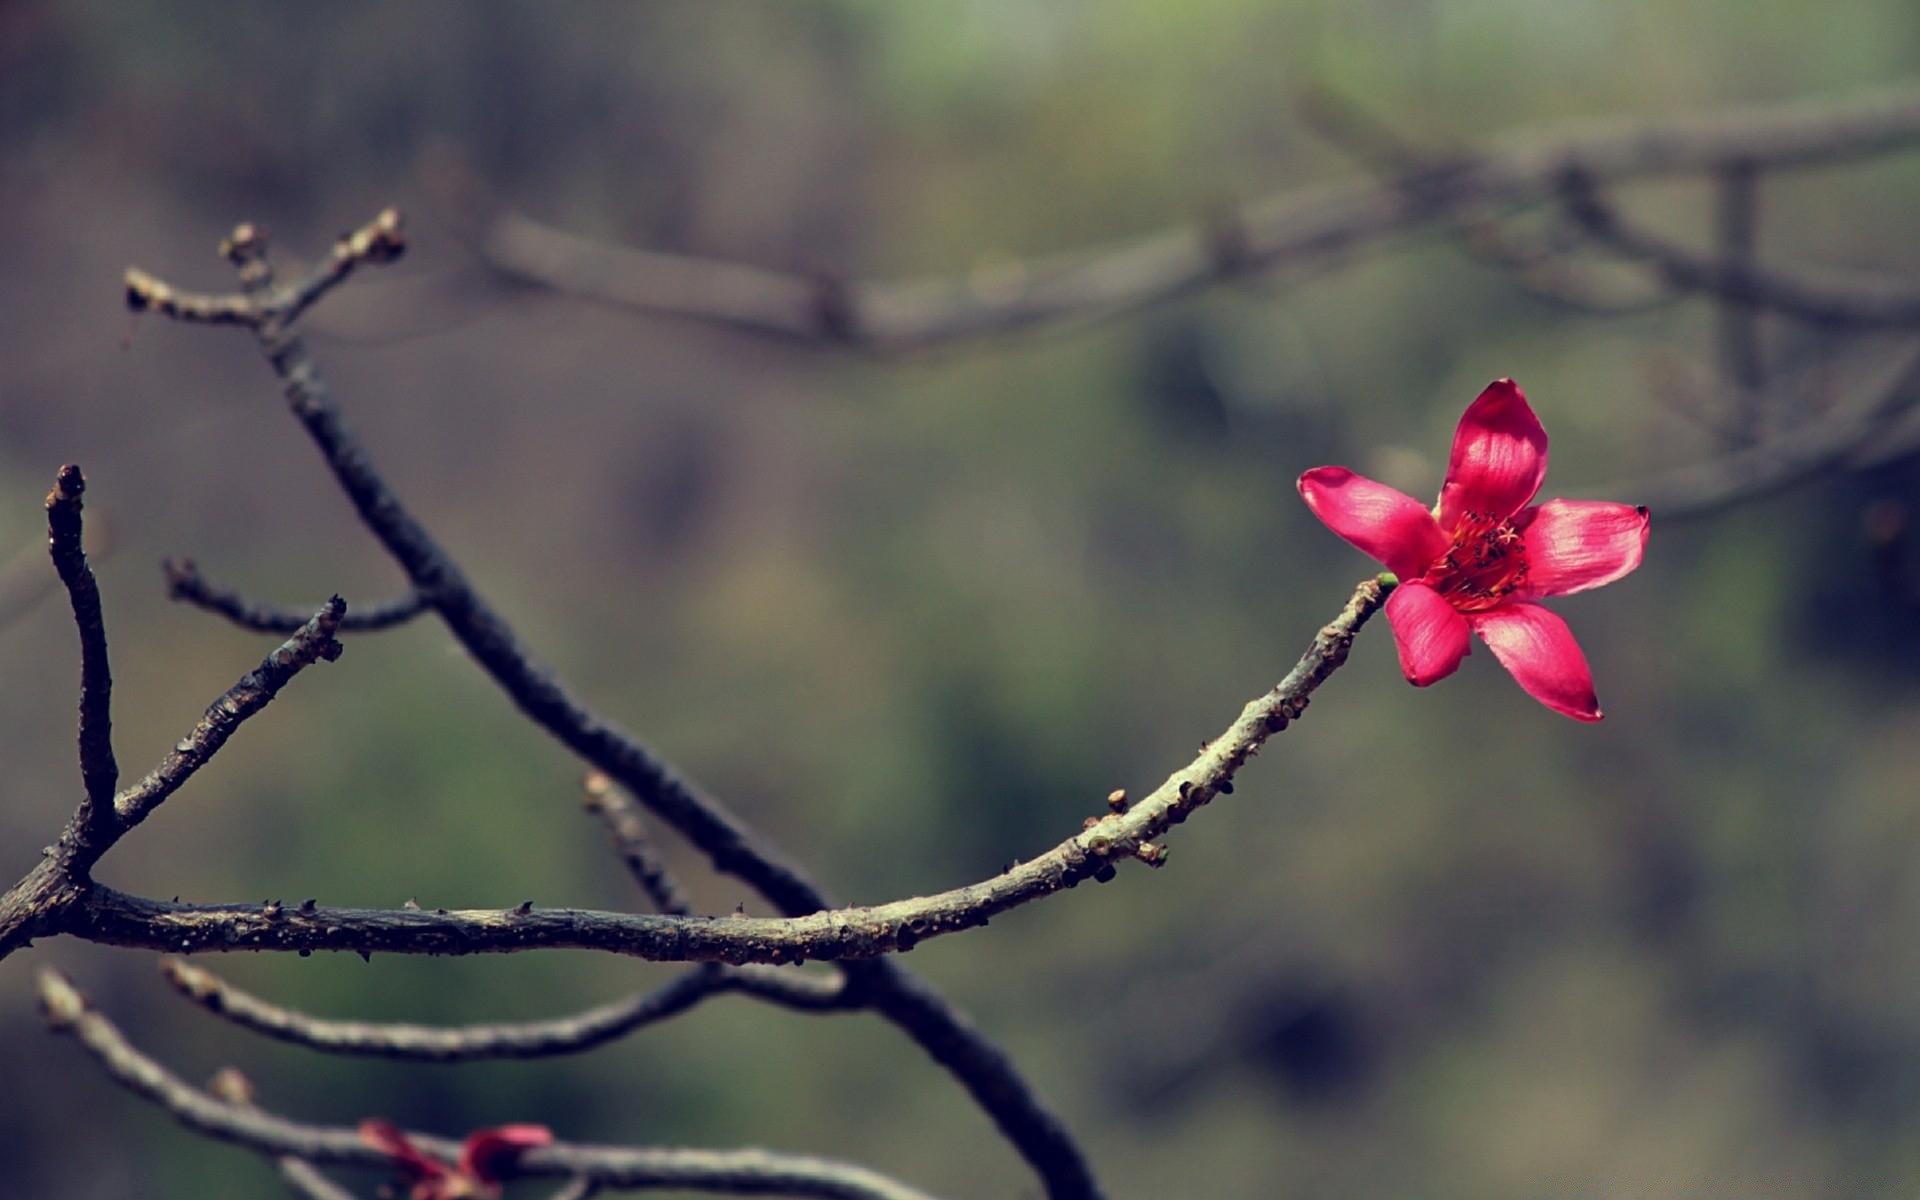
(628, 832)
(251, 693)
(97, 766)
(1292, 231)
(119, 919)
(186, 583)
(530, 1039)
(378, 241)
(741, 1172)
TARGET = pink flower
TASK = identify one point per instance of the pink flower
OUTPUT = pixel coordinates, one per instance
(1481, 557)
(476, 1176)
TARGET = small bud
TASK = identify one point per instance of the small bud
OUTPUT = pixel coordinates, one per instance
(1117, 800)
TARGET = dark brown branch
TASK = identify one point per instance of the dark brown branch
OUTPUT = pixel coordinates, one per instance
(98, 769)
(251, 693)
(750, 1171)
(846, 933)
(628, 831)
(1823, 297)
(1292, 231)
(531, 1039)
(184, 582)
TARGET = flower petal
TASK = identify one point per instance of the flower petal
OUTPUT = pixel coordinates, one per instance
(390, 1140)
(1387, 524)
(487, 1152)
(1538, 648)
(1499, 457)
(1431, 636)
(1573, 545)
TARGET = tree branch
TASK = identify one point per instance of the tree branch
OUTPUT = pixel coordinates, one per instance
(628, 833)
(1302, 229)
(184, 582)
(251, 693)
(807, 932)
(98, 769)
(119, 919)
(531, 1039)
(742, 1172)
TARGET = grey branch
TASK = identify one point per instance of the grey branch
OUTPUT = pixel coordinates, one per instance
(1823, 297)
(46, 900)
(739, 1172)
(186, 583)
(1296, 230)
(847, 933)
(734, 848)
(1536, 264)
(254, 690)
(530, 1039)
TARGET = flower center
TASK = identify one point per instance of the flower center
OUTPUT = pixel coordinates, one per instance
(1487, 561)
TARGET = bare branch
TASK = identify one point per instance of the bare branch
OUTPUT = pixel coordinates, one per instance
(1542, 270)
(119, 919)
(378, 241)
(184, 582)
(629, 834)
(750, 1171)
(1297, 230)
(732, 847)
(531, 1039)
(251, 693)
(97, 766)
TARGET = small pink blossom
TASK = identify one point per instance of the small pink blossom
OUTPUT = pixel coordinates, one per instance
(476, 1175)
(1481, 557)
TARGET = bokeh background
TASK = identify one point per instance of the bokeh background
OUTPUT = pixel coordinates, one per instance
(917, 617)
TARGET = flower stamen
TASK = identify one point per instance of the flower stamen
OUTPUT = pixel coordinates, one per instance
(1486, 563)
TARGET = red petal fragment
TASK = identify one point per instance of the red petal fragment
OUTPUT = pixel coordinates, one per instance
(390, 1140)
(1538, 648)
(1380, 521)
(1431, 636)
(1499, 457)
(487, 1152)
(1573, 545)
